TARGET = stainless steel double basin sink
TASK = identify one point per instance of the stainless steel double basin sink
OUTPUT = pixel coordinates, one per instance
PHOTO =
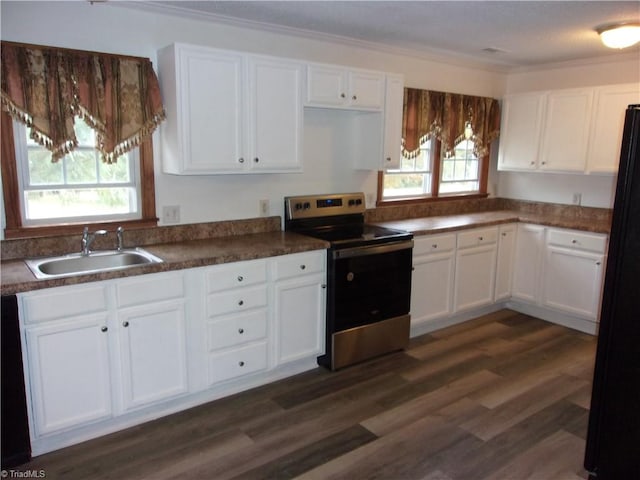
(95, 262)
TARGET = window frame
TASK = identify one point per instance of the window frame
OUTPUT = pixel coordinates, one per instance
(435, 196)
(12, 193)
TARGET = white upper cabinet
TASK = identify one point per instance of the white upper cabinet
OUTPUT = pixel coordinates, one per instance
(393, 104)
(520, 131)
(605, 141)
(338, 87)
(570, 131)
(229, 112)
(566, 131)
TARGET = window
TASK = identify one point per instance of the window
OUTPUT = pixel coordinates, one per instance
(434, 174)
(80, 186)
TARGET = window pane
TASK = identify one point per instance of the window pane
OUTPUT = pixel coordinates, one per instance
(85, 135)
(406, 184)
(42, 171)
(81, 167)
(79, 202)
(118, 172)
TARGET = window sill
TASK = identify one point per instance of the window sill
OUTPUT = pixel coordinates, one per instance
(73, 228)
(419, 200)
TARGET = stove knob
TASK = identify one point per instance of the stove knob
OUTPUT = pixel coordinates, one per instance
(358, 201)
(298, 206)
(352, 202)
(307, 205)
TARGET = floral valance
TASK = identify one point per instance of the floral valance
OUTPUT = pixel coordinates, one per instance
(46, 87)
(445, 116)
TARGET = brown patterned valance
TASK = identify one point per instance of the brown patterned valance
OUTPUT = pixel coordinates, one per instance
(46, 87)
(429, 114)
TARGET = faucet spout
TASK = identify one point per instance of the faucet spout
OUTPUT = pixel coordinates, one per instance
(88, 238)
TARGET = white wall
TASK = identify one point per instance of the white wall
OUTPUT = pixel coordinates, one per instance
(108, 27)
(116, 29)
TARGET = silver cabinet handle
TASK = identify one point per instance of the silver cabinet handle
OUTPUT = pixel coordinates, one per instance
(241, 160)
(125, 324)
(104, 329)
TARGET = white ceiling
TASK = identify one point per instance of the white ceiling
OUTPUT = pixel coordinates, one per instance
(517, 33)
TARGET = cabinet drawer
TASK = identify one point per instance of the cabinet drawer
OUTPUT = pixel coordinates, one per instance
(64, 302)
(149, 289)
(299, 264)
(477, 237)
(236, 330)
(242, 361)
(591, 242)
(236, 275)
(434, 244)
(237, 300)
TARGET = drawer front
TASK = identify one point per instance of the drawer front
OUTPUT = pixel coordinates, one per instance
(477, 237)
(236, 330)
(299, 264)
(236, 274)
(591, 242)
(64, 302)
(434, 244)
(242, 361)
(150, 289)
(237, 300)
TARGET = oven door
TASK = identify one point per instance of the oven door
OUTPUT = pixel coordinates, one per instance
(369, 284)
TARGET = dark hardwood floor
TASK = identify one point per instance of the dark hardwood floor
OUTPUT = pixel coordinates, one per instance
(505, 396)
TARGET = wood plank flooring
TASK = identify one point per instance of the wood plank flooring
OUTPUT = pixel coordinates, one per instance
(505, 396)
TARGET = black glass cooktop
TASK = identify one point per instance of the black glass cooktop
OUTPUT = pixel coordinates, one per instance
(354, 235)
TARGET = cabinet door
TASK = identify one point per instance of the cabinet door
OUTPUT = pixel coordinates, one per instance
(153, 352)
(504, 265)
(573, 281)
(393, 103)
(605, 140)
(326, 86)
(475, 277)
(203, 89)
(366, 90)
(527, 261)
(521, 129)
(69, 372)
(299, 312)
(275, 115)
(432, 287)
(566, 131)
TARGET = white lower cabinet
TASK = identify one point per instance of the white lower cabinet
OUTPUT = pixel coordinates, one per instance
(69, 372)
(475, 268)
(504, 264)
(527, 262)
(573, 272)
(432, 278)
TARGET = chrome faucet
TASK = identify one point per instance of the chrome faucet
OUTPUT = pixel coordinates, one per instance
(119, 234)
(88, 238)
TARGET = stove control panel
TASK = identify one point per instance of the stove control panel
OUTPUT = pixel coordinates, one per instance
(310, 206)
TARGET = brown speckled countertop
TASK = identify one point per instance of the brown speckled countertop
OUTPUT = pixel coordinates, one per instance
(449, 223)
(16, 276)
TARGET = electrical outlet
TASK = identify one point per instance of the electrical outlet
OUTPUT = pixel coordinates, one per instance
(171, 214)
(577, 198)
(264, 208)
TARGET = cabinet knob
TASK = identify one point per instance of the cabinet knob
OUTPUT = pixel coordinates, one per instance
(598, 263)
(241, 363)
(388, 159)
(104, 329)
(256, 160)
(504, 234)
(354, 98)
(240, 278)
(435, 245)
(480, 238)
(241, 160)
(125, 324)
(574, 241)
(532, 163)
(342, 95)
(303, 266)
(544, 163)
(324, 285)
(241, 302)
(241, 331)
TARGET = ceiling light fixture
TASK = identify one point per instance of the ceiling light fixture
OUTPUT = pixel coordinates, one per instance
(620, 35)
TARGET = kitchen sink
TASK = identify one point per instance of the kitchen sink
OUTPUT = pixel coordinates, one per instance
(95, 262)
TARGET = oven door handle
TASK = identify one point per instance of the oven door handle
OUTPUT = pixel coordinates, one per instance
(371, 250)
